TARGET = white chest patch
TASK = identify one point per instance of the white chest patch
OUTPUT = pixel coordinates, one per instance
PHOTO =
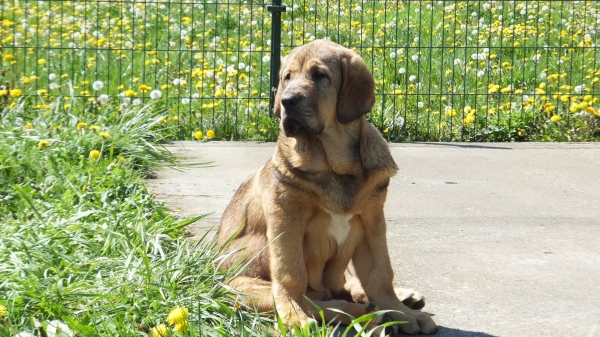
(339, 226)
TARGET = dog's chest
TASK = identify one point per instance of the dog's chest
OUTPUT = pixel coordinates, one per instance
(339, 226)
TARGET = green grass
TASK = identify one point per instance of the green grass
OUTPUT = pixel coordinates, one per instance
(83, 243)
(536, 76)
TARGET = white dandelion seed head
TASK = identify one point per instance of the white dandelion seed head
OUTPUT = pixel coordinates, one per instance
(196, 95)
(155, 94)
(420, 105)
(136, 102)
(415, 58)
(98, 85)
(241, 65)
(262, 106)
(399, 121)
(402, 70)
(52, 76)
(103, 99)
(185, 100)
(480, 73)
(266, 58)
(53, 86)
(579, 88)
(457, 62)
(543, 75)
(58, 328)
(123, 106)
(233, 58)
(412, 78)
(176, 81)
(392, 55)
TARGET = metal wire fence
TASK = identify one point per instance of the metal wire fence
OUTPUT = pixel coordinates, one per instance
(445, 70)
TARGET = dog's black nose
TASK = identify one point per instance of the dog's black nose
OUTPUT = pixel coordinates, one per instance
(289, 100)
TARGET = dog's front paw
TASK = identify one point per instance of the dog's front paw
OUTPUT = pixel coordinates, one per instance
(416, 322)
(411, 298)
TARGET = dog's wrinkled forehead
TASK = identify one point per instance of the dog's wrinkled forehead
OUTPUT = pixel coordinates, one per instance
(320, 54)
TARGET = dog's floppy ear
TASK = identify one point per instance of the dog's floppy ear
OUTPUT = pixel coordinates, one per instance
(357, 89)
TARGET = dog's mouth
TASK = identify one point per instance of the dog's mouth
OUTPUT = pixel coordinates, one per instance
(292, 127)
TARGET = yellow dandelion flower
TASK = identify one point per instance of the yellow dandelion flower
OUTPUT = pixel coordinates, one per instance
(129, 93)
(555, 118)
(591, 110)
(574, 108)
(210, 134)
(198, 135)
(42, 144)
(144, 88)
(41, 61)
(104, 135)
(26, 80)
(16, 93)
(2, 310)
(94, 154)
(8, 57)
(468, 120)
(28, 125)
(159, 331)
(179, 328)
(3, 92)
(178, 316)
(81, 126)
(94, 127)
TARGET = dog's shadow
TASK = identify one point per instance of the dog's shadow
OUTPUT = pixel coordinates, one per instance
(451, 332)
(442, 332)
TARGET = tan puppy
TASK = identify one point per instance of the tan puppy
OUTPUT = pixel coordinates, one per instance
(317, 205)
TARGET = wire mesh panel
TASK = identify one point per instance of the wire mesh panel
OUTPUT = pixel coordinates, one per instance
(445, 70)
(468, 70)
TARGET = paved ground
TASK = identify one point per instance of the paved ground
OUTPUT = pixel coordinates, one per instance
(503, 239)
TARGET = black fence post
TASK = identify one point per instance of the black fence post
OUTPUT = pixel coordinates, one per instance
(275, 8)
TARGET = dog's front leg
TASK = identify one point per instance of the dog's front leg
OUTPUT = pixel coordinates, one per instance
(288, 270)
(371, 261)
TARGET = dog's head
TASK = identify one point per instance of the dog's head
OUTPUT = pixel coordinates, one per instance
(321, 84)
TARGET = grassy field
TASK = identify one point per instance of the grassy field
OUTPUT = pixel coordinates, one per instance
(86, 251)
(463, 70)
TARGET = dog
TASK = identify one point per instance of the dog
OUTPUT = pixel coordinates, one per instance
(310, 222)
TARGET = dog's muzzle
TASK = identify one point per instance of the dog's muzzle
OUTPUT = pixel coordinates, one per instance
(292, 120)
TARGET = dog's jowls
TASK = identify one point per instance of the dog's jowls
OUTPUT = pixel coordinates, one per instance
(317, 205)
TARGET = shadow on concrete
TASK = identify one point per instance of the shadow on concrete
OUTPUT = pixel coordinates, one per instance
(450, 332)
(442, 332)
(467, 146)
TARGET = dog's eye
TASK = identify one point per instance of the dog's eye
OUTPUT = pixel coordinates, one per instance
(287, 77)
(317, 75)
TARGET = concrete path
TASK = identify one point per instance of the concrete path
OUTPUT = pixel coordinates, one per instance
(503, 239)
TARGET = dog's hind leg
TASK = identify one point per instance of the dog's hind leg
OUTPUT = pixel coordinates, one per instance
(255, 292)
